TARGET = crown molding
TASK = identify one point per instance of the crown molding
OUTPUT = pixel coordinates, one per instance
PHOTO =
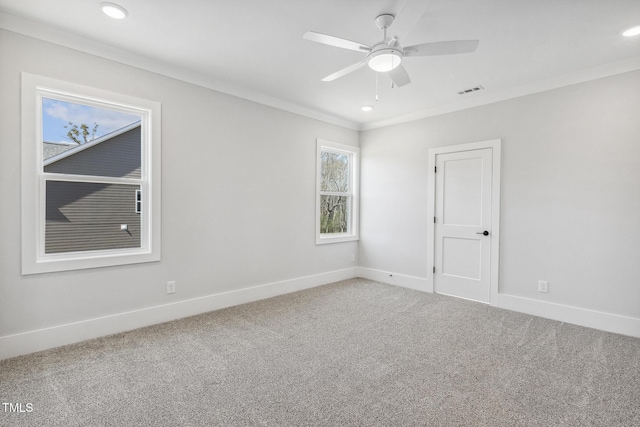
(66, 39)
(490, 97)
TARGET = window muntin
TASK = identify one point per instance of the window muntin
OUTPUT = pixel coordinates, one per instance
(79, 187)
(337, 203)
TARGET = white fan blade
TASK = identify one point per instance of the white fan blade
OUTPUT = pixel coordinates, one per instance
(344, 71)
(399, 76)
(442, 48)
(410, 13)
(335, 41)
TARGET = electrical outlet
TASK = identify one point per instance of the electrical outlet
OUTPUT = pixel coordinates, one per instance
(543, 286)
(353, 257)
(171, 287)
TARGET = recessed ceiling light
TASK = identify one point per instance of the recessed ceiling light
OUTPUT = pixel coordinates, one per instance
(634, 31)
(367, 108)
(114, 11)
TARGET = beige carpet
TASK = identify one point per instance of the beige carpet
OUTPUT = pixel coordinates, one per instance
(353, 353)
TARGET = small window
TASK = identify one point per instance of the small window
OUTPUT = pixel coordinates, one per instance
(87, 154)
(138, 202)
(337, 192)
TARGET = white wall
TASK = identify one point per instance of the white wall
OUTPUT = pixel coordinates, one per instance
(570, 210)
(238, 205)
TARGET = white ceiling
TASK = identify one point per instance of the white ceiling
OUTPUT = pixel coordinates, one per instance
(255, 49)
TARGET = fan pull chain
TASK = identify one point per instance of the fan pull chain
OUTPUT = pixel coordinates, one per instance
(377, 87)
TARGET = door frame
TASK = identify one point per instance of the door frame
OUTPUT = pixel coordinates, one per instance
(495, 145)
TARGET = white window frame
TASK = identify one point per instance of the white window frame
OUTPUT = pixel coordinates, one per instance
(34, 259)
(352, 233)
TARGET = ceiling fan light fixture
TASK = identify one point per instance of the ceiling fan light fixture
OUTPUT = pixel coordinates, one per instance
(634, 31)
(384, 60)
(114, 11)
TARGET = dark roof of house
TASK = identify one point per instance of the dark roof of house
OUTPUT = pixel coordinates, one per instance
(51, 149)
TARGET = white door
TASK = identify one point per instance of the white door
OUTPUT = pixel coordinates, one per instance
(462, 224)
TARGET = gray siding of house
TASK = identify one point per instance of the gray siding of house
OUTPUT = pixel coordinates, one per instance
(84, 216)
(117, 157)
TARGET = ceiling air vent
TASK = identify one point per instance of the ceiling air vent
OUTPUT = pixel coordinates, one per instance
(470, 90)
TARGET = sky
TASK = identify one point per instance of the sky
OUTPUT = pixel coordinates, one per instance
(57, 114)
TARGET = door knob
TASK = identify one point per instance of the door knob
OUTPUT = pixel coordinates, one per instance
(484, 233)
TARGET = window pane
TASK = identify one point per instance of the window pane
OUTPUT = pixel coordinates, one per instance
(85, 216)
(83, 140)
(334, 214)
(334, 172)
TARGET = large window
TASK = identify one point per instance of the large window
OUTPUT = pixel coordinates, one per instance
(337, 192)
(90, 177)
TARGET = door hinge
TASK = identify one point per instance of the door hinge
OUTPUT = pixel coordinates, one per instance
(434, 219)
(434, 269)
(435, 169)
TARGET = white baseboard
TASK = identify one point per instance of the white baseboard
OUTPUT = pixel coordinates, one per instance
(564, 313)
(56, 336)
(411, 282)
(578, 316)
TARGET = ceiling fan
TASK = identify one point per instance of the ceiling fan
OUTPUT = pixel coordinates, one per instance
(386, 56)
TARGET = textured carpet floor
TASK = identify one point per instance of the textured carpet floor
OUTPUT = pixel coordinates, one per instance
(355, 353)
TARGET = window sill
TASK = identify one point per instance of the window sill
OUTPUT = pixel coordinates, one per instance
(80, 261)
(336, 238)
